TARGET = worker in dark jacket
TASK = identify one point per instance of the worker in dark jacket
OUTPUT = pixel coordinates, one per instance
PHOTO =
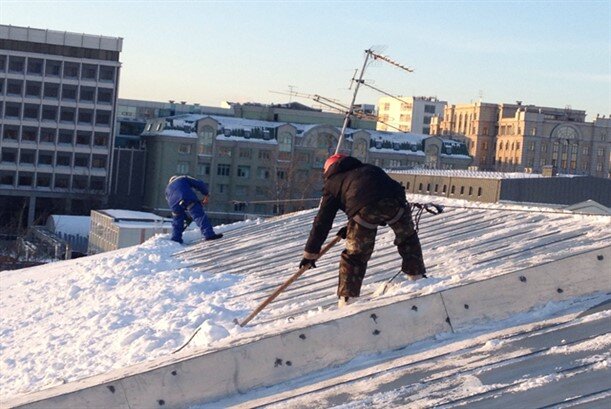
(182, 199)
(370, 198)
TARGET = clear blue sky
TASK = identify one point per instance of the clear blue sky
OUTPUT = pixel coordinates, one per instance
(549, 53)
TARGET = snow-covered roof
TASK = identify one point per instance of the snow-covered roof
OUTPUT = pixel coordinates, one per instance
(184, 126)
(476, 174)
(68, 224)
(141, 303)
(131, 215)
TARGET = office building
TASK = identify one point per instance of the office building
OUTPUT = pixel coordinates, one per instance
(58, 96)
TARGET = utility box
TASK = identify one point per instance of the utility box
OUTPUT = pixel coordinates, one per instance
(116, 229)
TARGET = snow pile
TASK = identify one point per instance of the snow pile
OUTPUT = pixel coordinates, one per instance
(69, 320)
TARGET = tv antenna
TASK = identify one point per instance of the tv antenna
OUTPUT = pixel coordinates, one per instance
(369, 53)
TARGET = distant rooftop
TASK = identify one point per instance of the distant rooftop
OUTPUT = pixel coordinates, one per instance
(472, 173)
(64, 38)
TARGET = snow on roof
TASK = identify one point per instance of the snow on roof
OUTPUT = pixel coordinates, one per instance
(186, 124)
(68, 224)
(131, 215)
(473, 174)
(127, 306)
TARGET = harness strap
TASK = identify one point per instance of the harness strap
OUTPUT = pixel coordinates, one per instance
(358, 219)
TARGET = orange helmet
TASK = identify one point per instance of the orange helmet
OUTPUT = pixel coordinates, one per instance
(331, 160)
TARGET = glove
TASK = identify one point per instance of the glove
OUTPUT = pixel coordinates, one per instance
(307, 262)
(342, 232)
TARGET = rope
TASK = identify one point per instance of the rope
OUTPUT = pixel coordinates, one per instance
(418, 208)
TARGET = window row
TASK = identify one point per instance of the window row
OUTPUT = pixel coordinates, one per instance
(57, 114)
(50, 180)
(51, 158)
(56, 68)
(53, 135)
(243, 171)
(51, 90)
(443, 189)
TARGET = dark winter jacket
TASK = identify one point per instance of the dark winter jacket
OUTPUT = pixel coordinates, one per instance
(350, 185)
(180, 191)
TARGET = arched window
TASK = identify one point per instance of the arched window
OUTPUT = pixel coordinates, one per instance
(285, 142)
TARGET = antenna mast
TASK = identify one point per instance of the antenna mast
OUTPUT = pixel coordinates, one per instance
(350, 112)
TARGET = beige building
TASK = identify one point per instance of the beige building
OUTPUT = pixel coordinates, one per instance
(526, 138)
(408, 114)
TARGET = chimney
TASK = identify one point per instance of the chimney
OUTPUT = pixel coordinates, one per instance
(549, 171)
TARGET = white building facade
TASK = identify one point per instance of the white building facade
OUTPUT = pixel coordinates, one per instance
(408, 114)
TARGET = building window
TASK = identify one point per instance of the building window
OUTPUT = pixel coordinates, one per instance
(264, 154)
(444, 189)
(102, 117)
(81, 160)
(69, 92)
(420, 186)
(34, 66)
(71, 69)
(51, 90)
(83, 138)
(285, 142)
(61, 181)
(107, 74)
(184, 148)
(479, 191)
(47, 135)
(263, 173)
(206, 137)
(239, 206)
(278, 209)
(429, 109)
(386, 106)
(16, 64)
(100, 139)
(49, 113)
(26, 156)
(470, 190)
(53, 68)
(89, 72)
(243, 171)
(224, 152)
(31, 111)
(63, 159)
(223, 169)
(28, 134)
(85, 116)
(600, 152)
(281, 174)
(98, 161)
(104, 95)
(222, 188)
(585, 150)
(12, 110)
(33, 89)
(182, 168)
(65, 136)
(203, 169)
(245, 153)
(462, 190)
(87, 94)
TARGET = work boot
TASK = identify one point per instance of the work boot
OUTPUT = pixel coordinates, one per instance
(216, 236)
(344, 301)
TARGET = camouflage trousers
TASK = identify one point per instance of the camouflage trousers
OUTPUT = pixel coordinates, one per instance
(360, 240)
